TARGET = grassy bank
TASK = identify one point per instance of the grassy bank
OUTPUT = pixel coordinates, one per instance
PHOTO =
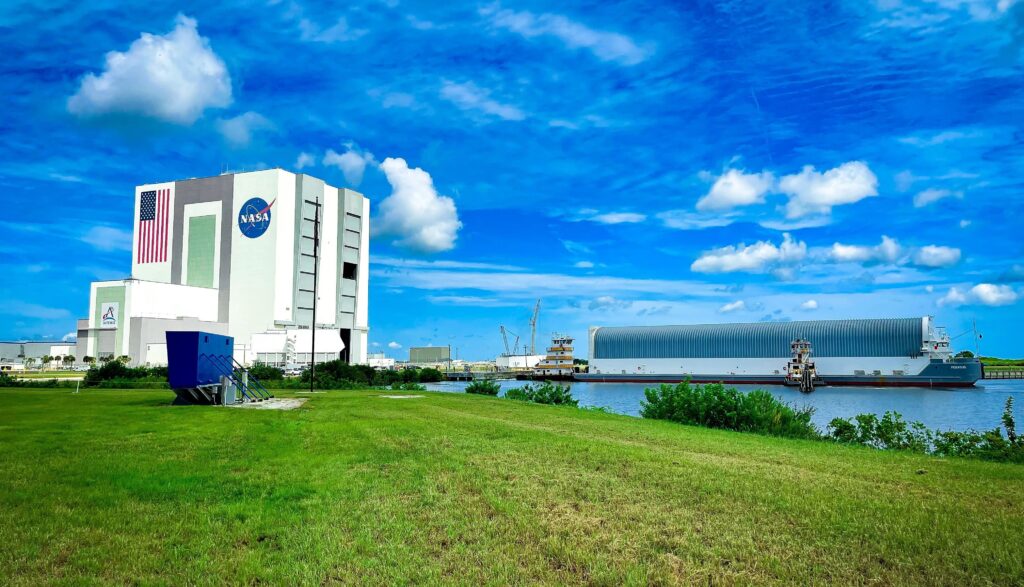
(118, 486)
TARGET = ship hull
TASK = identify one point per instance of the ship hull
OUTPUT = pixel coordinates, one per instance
(927, 373)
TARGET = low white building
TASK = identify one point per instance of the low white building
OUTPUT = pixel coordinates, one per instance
(233, 254)
(379, 361)
(506, 362)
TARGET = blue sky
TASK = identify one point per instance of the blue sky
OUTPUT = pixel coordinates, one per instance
(627, 163)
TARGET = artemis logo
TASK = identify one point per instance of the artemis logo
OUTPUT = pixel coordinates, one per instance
(254, 217)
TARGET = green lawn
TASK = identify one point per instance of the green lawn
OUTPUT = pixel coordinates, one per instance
(120, 487)
(68, 374)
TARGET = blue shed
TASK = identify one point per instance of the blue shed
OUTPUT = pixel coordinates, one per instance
(198, 358)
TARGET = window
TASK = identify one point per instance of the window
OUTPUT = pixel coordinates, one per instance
(348, 270)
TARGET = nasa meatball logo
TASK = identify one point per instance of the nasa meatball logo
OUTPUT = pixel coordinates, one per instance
(254, 217)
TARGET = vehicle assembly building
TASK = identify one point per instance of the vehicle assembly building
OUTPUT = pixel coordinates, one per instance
(233, 255)
(880, 352)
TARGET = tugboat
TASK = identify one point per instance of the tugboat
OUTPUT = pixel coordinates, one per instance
(557, 365)
(800, 370)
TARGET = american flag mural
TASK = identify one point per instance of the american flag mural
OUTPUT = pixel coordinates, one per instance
(153, 222)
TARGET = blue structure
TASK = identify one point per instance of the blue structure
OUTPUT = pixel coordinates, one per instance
(886, 337)
(201, 369)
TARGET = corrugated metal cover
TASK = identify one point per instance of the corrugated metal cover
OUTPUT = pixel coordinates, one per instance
(885, 337)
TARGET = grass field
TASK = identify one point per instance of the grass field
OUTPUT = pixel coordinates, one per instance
(120, 487)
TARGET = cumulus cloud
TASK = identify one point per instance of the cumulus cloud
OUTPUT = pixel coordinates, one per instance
(352, 162)
(108, 238)
(813, 193)
(606, 46)
(735, 188)
(985, 294)
(468, 96)
(756, 258)
(305, 160)
(936, 256)
(888, 251)
(394, 345)
(931, 195)
(604, 303)
(70, 337)
(414, 213)
(733, 307)
(239, 130)
(172, 77)
(809, 305)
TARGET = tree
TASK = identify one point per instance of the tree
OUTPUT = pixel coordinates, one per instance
(964, 355)
(29, 362)
(45, 359)
(88, 360)
(106, 359)
(124, 359)
(69, 359)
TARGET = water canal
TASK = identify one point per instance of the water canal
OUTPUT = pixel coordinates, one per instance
(978, 407)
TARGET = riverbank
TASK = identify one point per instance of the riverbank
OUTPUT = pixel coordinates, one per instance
(118, 486)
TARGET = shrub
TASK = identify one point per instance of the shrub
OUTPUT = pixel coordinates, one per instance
(716, 406)
(545, 393)
(430, 375)
(408, 386)
(892, 432)
(117, 370)
(264, 372)
(483, 387)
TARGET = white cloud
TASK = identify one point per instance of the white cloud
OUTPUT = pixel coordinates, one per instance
(239, 130)
(604, 303)
(352, 163)
(421, 219)
(965, 223)
(926, 140)
(735, 188)
(937, 256)
(174, 77)
(809, 305)
(756, 258)
(888, 251)
(606, 46)
(986, 294)
(733, 307)
(584, 265)
(467, 96)
(475, 301)
(619, 218)
(305, 160)
(813, 193)
(442, 264)
(394, 345)
(686, 220)
(931, 195)
(339, 32)
(108, 238)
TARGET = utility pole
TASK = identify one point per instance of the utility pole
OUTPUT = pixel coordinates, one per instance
(316, 270)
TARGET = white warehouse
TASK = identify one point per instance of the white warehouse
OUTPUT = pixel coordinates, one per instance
(233, 254)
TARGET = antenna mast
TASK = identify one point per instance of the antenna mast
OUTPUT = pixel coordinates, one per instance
(316, 267)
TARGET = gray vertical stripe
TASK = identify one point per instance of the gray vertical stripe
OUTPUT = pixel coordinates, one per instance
(194, 191)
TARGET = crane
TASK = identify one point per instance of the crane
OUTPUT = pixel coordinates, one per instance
(533, 328)
(505, 332)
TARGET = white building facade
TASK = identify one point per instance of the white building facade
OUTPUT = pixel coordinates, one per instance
(233, 254)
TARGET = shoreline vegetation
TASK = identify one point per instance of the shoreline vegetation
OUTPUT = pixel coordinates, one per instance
(116, 487)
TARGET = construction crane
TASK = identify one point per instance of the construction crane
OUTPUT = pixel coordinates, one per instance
(533, 328)
(505, 332)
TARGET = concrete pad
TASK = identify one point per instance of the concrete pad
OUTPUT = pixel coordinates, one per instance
(275, 403)
(403, 396)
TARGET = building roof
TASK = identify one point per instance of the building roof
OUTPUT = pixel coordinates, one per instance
(885, 337)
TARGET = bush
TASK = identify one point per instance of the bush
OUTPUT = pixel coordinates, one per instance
(892, 432)
(117, 370)
(716, 406)
(483, 387)
(407, 387)
(545, 393)
(430, 375)
(264, 372)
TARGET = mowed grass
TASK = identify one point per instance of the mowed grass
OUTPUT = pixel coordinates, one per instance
(47, 374)
(121, 487)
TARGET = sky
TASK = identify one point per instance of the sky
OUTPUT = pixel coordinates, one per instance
(625, 163)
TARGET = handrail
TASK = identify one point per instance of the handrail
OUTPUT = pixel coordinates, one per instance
(228, 372)
(254, 382)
